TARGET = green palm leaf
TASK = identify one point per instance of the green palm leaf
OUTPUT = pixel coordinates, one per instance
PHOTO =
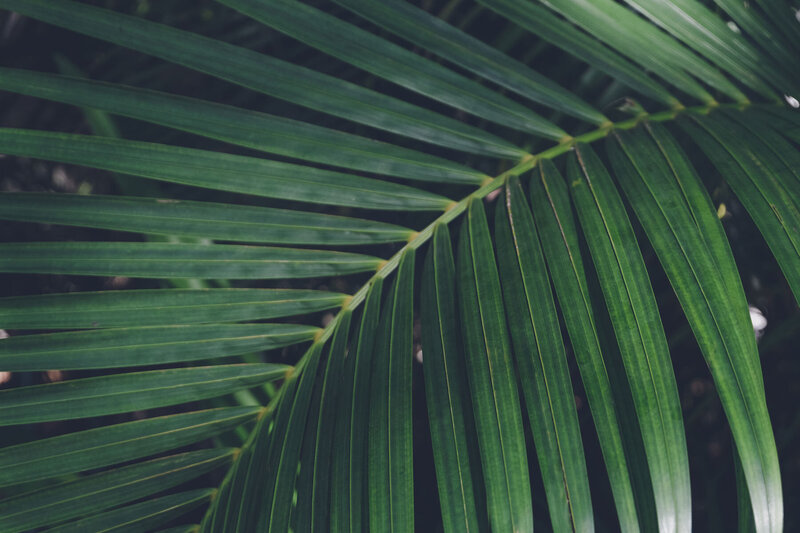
(353, 140)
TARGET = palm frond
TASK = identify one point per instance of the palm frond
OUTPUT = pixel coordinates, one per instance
(567, 242)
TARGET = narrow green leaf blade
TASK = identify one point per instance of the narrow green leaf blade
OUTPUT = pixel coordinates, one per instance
(154, 307)
(262, 73)
(705, 32)
(492, 380)
(142, 516)
(759, 182)
(553, 216)
(225, 222)
(108, 489)
(314, 483)
(701, 209)
(656, 51)
(446, 389)
(287, 439)
(756, 25)
(446, 41)
(350, 462)
(716, 311)
(302, 514)
(542, 363)
(643, 346)
(178, 260)
(235, 508)
(391, 465)
(387, 60)
(235, 173)
(541, 21)
(146, 346)
(122, 393)
(770, 134)
(108, 445)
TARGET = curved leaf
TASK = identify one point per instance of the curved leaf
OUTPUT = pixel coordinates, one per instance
(542, 363)
(694, 24)
(716, 311)
(553, 217)
(632, 308)
(492, 382)
(655, 50)
(759, 183)
(545, 24)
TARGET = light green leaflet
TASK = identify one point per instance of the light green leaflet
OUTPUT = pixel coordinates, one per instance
(264, 74)
(643, 346)
(145, 346)
(542, 363)
(170, 260)
(554, 219)
(455, 452)
(97, 492)
(542, 22)
(391, 464)
(142, 516)
(756, 26)
(108, 445)
(708, 34)
(435, 35)
(155, 307)
(123, 393)
(715, 308)
(224, 222)
(394, 63)
(492, 380)
(644, 43)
